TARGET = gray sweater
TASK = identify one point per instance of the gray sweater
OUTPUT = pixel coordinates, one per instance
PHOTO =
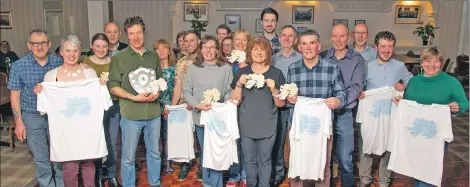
(200, 79)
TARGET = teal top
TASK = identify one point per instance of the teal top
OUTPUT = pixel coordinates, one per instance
(439, 89)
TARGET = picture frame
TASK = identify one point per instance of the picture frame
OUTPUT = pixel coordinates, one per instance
(259, 26)
(6, 20)
(233, 21)
(359, 22)
(408, 14)
(301, 29)
(200, 8)
(340, 21)
(303, 14)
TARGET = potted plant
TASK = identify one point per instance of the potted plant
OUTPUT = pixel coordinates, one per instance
(425, 32)
(197, 25)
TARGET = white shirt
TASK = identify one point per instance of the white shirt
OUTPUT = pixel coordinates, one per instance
(220, 135)
(311, 127)
(75, 113)
(180, 133)
(375, 113)
(420, 134)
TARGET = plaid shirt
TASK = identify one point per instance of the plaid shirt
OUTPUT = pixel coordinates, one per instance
(322, 81)
(25, 74)
(275, 44)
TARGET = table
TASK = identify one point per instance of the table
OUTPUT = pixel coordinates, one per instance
(407, 59)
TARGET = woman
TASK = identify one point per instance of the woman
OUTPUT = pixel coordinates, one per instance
(227, 46)
(241, 37)
(99, 62)
(209, 71)
(167, 64)
(180, 50)
(258, 111)
(445, 89)
(72, 71)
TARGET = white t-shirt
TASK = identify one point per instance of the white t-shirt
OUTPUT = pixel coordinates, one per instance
(220, 135)
(311, 127)
(376, 112)
(180, 133)
(419, 137)
(75, 113)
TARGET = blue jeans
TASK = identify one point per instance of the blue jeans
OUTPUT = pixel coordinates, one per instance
(258, 153)
(278, 149)
(111, 128)
(237, 170)
(37, 136)
(130, 130)
(210, 177)
(344, 144)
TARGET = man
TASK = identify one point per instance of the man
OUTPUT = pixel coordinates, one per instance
(223, 31)
(139, 111)
(382, 71)
(352, 68)
(30, 125)
(328, 85)
(191, 40)
(113, 32)
(282, 60)
(359, 45)
(5, 50)
(269, 18)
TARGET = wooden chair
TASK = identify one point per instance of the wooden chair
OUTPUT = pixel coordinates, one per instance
(4, 92)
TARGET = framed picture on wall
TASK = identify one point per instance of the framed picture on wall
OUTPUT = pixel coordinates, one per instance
(340, 21)
(359, 22)
(259, 26)
(302, 14)
(5, 20)
(408, 14)
(301, 29)
(233, 21)
(191, 9)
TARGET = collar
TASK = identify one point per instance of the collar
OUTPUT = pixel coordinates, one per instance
(132, 51)
(349, 52)
(319, 63)
(30, 58)
(390, 62)
(275, 36)
(117, 47)
(295, 53)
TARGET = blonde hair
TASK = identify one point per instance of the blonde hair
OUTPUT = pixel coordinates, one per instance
(171, 54)
(430, 53)
(244, 32)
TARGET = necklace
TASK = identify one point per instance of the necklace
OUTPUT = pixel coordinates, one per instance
(73, 74)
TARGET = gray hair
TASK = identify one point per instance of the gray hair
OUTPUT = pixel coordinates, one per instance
(38, 31)
(72, 39)
(310, 32)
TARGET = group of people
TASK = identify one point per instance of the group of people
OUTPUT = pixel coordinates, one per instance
(339, 76)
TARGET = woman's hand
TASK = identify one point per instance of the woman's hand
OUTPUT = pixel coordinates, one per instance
(165, 114)
(271, 85)
(397, 99)
(203, 107)
(362, 96)
(292, 100)
(103, 80)
(243, 79)
(454, 107)
(235, 101)
(38, 88)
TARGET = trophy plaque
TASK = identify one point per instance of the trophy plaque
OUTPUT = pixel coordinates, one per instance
(141, 78)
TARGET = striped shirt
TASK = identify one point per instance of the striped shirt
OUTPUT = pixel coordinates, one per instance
(282, 63)
(25, 74)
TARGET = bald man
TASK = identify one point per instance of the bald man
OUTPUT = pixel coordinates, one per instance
(113, 32)
(352, 67)
(360, 35)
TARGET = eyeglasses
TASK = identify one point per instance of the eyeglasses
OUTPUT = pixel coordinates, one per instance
(36, 44)
(226, 45)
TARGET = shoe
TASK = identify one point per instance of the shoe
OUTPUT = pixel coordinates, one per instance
(335, 170)
(199, 175)
(231, 184)
(113, 182)
(99, 182)
(279, 181)
(242, 183)
(183, 174)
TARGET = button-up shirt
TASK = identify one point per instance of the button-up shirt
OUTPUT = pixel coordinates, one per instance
(282, 63)
(25, 74)
(352, 67)
(388, 74)
(122, 64)
(322, 81)
(275, 44)
(369, 53)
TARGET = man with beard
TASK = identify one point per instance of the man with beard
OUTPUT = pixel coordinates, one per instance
(361, 33)
(382, 71)
(139, 111)
(352, 67)
(191, 40)
(113, 32)
(269, 18)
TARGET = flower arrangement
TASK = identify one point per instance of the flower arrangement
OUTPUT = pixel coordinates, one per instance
(426, 32)
(210, 96)
(157, 85)
(104, 76)
(256, 80)
(288, 90)
(237, 55)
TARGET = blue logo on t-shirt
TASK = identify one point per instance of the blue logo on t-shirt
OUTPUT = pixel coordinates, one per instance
(77, 105)
(310, 124)
(177, 116)
(381, 106)
(216, 125)
(427, 128)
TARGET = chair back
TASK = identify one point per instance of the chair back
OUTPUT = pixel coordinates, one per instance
(410, 54)
(462, 66)
(446, 64)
